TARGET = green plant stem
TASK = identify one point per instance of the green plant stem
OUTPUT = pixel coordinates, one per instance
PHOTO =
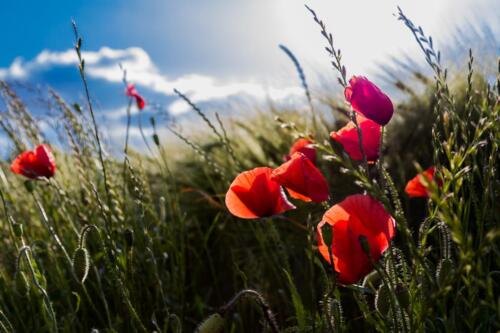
(46, 222)
(91, 110)
(360, 143)
(24, 252)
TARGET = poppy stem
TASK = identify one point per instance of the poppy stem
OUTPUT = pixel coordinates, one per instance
(24, 252)
(51, 230)
(332, 265)
(360, 142)
(396, 308)
(81, 68)
(268, 314)
(129, 120)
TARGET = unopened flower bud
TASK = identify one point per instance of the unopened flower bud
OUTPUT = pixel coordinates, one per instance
(156, 139)
(18, 229)
(29, 185)
(212, 324)
(22, 283)
(363, 241)
(81, 264)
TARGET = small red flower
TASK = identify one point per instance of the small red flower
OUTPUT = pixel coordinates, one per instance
(35, 164)
(302, 179)
(132, 92)
(305, 147)
(347, 136)
(416, 188)
(358, 215)
(366, 98)
(254, 194)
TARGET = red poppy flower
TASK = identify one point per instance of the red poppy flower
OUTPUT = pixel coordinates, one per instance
(302, 179)
(35, 164)
(358, 215)
(254, 194)
(132, 92)
(367, 99)
(305, 147)
(347, 136)
(416, 188)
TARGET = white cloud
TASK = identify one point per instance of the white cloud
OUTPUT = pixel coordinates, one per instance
(117, 113)
(103, 65)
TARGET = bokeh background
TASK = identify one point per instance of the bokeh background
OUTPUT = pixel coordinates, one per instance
(224, 55)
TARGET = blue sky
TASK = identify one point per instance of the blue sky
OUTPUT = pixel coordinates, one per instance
(216, 51)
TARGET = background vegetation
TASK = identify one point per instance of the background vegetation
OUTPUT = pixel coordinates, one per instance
(164, 253)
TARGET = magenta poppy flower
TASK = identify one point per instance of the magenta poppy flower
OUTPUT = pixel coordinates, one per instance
(305, 147)
(366, 98)
(348, 137)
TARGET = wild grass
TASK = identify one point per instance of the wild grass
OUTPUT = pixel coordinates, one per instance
(145, 243)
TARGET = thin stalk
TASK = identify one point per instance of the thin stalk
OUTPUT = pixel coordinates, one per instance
(260, 301)
(360, 143)
(81, 68)
(129, 121)
(7, 321)
(7, 218)
(46, 222)
(24, 251)
(143, 135)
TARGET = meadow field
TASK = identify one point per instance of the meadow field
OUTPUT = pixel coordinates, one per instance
(234, 227)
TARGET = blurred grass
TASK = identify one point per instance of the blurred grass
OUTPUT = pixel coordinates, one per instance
(168, 250)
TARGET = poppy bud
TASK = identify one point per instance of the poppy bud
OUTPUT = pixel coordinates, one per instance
(29, 185)
(81, 264)
(212, 324)
(22, 283)
(363, 241)
(444, 269)
(85, 198)
(77, 107)
(382, 300)
(18, 229)
(337, 314)
(128, 234)
(156, 139)
(366, 98)
(403, 296)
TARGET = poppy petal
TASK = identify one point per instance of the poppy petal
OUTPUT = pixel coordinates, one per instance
(416, 188)
(46, 160)
(302, 179)
(21, 162)
(35, 164)
(141, 103)
(253, 194)
(367, 99)
(358, 215)
(305, 147)
(348, 137)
